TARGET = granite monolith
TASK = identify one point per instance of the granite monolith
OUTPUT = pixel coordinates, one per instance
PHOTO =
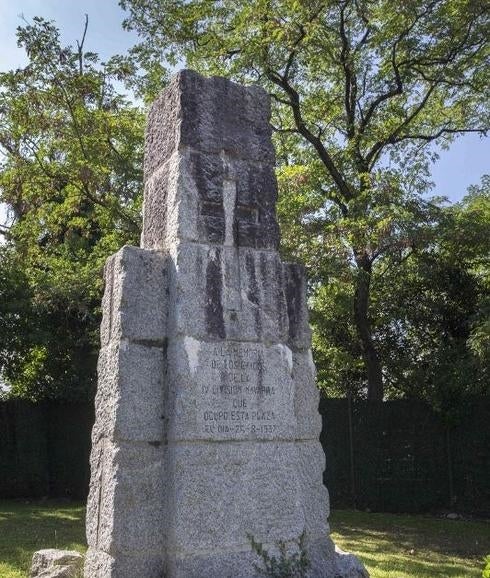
(207, 423)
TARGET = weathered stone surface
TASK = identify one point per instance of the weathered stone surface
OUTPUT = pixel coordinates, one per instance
(129, 400)
(51, 563)
(221, 492)
(125, 510)
(242, 564)
(225, 293)
(147, 565)
(207, 419)
(306, 396)
(310, 464)
(348, 566)
(295, 291)
(211, 115)
(234, 391)
(134, 303)
(210, 176)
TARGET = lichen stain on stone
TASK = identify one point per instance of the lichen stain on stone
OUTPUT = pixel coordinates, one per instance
(215, 323)
(287, 355)
(192, 347)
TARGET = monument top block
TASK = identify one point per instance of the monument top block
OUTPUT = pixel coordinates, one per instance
(220, 131)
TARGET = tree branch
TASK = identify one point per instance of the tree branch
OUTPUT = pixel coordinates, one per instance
(80, 46)
(284, 130)
(279, 99)
(396, 91)
(398, 88)
(350, 84)
(399, 262)
(86, 191)
(294, 103)
(375, 151)
(439, 133)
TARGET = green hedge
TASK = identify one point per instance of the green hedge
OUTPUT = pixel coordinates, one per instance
(399, 456)
(396, 456)
(44, 449)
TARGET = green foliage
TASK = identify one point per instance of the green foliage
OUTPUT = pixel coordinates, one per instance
(321, 239)
(472, 246)
(398, 284)
(429, 307)
(434, 308)
(288, 564)
(359, 89)
(486, 569)
(71, 177)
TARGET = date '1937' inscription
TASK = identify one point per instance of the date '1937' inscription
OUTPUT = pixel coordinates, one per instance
(238, 401)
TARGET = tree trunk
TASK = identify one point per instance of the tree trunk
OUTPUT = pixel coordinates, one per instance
(361, 318)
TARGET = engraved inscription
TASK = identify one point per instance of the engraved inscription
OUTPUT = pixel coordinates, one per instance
(237, 400)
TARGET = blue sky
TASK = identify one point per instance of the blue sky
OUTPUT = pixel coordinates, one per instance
(462, 165)
(104, 36)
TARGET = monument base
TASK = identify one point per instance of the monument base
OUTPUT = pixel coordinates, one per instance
(324, 561)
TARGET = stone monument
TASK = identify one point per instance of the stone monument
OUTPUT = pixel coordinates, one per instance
(206, 433)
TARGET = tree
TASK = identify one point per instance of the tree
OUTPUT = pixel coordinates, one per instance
(473, 234)
(430, 310)
(434, 310)
(360, 89)
(71, 176)
(320, 240)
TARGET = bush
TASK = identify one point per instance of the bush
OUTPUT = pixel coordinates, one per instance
(486, 570)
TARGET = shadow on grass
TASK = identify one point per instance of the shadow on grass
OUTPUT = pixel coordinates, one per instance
(390, 545)
(29, 526)
(393, 545)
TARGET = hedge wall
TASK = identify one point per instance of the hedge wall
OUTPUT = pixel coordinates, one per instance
(44, 449)
(395, 456)
(399, 456)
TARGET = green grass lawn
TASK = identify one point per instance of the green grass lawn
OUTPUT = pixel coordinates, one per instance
(399, 545)
(391, 546)
(26, 527)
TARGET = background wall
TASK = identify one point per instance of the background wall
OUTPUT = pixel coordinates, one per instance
(44, 449)
(399, 456)
(396, 456)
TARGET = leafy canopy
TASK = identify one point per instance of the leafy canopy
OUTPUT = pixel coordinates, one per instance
(360, 90)
(70, 173)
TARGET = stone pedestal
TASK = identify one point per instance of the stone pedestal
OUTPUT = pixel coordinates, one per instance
(207, 424)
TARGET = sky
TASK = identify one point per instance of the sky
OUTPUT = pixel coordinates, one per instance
(462, 165)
